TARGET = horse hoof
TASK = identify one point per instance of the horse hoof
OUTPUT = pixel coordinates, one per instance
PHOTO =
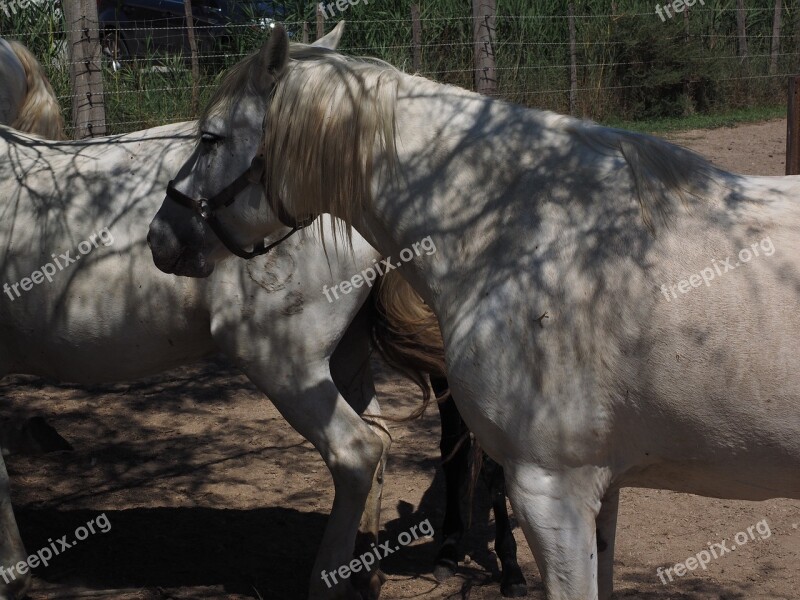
(444, 570)
(513, 584)
(350, 594)
(369, 587)
(18, 590)
(375, 584)
(514, 590)
(446, 561)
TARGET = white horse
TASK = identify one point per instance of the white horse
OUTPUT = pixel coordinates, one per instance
(82, 302)
(27, 100)
(615, 311)
(111, 315)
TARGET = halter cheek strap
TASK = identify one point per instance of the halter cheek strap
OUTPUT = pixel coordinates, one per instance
(206, 207)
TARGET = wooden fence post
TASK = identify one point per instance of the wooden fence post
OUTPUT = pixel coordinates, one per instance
(775, 47)
(187, 6)
(416, 39)
(483, 16)
(741, 31)
(86, 76)
(793, 127)
(320, 23)
(573, 62)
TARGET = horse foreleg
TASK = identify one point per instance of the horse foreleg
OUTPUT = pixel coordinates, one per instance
(13, 585)
(370, 583)
(455, 464)
(606, 536)
(558, 512)
(352, 373)
(309, 400)
(513, 583)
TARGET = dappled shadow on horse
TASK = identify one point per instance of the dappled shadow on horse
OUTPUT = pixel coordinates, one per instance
(535, 214)
(105, 313)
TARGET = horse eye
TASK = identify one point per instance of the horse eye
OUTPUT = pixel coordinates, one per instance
(209, 138)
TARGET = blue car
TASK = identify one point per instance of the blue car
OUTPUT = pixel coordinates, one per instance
(146, 28)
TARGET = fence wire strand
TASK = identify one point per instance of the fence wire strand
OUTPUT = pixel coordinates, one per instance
(147, 85)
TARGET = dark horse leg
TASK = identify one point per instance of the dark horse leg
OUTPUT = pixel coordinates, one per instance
(455, 473)
(456, 470)
(512, 584)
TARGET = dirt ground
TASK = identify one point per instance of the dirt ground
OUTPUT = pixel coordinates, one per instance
(211, 495)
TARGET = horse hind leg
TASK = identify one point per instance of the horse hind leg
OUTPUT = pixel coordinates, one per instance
(512, 584)
(350, 449)
(455, 464)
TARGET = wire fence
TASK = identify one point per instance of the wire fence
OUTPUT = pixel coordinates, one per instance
(628, 61)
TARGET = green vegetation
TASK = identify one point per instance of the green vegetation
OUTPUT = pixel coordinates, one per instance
(634, 70)
(701, 121)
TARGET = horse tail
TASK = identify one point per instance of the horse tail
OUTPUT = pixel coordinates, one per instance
(40, 113)
(406, 334)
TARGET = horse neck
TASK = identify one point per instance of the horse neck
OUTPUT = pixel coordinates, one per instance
(435, 194)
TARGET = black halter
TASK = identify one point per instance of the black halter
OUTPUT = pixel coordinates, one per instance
(205, 207)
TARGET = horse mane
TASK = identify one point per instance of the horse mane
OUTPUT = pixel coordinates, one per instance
(330, 118)
(332, 115)
(40, 113)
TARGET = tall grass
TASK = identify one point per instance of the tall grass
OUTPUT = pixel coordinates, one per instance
(631, 64)
(616, 54)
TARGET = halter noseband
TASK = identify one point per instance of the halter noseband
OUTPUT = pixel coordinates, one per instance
(205, 207)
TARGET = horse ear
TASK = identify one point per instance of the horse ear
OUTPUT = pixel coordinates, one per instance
(274, 54)
(332, 38)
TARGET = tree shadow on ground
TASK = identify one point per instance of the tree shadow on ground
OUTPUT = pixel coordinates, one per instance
(267, 550)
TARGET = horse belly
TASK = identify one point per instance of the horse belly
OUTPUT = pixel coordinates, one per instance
(120, 359)
(748, 478)
(105, 326)
(716, 422)
(714, 412)
(714, 377)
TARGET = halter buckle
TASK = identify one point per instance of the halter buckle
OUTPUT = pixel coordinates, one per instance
(204, 208)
